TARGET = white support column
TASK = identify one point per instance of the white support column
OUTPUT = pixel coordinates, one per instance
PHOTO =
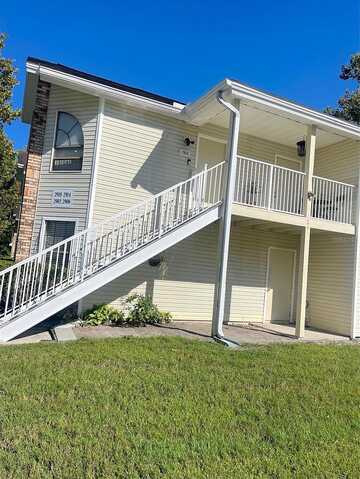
(309, 169)
(305, 234)
(225, 222)
(302, 281)
(355, 320)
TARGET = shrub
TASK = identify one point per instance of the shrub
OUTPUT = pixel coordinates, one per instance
(140, 311)
(103, 314)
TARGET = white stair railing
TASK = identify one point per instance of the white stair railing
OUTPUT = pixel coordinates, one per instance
(333, 200)
(43, 275)
(270, 186)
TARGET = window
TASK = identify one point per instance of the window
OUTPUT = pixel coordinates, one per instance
(69, 144)
(56, 231)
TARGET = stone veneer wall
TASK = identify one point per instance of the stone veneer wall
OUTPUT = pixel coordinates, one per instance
(32, 175)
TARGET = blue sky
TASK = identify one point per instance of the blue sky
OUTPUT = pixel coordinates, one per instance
(182, 48)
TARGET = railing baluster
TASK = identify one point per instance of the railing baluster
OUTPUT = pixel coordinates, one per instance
(259, 184)
(8, 291)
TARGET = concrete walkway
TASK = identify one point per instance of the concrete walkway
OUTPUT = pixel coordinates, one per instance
(241, 333)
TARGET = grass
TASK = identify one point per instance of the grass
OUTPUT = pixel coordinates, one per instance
(171, 408)
(5, 263)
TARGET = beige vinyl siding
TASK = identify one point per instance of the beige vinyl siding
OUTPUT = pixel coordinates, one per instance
(330, 284)
(141, 154)
(184, 284)
(332, 258)
(339, 161)
(251, 146)
(139, 157)
(85, 109)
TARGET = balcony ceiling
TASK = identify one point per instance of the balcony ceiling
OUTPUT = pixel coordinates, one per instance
(273, 127)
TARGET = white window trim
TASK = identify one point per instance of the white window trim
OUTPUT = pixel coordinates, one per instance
(265, 312)
(55, 218)
(206, 137)
(288, 158)
(51, 170)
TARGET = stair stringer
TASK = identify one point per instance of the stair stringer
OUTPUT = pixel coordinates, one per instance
(74, 293)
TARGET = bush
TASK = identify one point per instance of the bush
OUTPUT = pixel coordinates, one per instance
(103, 314)
(138, 310)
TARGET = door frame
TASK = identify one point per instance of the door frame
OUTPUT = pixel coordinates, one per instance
(266, 302)
(206, 137)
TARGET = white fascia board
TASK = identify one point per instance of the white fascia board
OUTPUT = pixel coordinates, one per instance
(96, 89)
(293, 111)
(29, 97)
(201, 110)
(206, 107)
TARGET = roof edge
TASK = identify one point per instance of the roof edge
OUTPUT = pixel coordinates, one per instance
(101, 80)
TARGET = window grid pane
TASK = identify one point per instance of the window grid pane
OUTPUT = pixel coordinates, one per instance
(69, 142)
(57, 231)
(67, 164)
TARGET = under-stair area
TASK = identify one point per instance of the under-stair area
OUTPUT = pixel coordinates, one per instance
(49, 281)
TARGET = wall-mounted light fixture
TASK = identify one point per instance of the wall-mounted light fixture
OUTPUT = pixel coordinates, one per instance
(155, 260)
(188, 141)
(301, 148)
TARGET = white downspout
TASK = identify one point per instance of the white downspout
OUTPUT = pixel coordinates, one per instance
(225, 222)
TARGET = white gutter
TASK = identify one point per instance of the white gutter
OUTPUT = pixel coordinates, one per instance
(225, 223)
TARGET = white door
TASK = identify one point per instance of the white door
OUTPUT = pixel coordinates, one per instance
(281, 266)
(209, 152)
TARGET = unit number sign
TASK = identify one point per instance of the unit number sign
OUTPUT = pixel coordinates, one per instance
(62, 198)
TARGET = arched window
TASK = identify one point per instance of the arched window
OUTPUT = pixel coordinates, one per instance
(69, 144)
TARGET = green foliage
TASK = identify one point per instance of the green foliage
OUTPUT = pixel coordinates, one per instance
(170, 408)
(9, 194)
(103, 314)
(349, 104)
(5, 263)
(138, 310)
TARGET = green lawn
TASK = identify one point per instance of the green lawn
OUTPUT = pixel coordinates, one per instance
(5, 263)
(167, 407)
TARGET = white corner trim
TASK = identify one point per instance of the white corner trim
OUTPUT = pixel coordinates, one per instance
(96, 159)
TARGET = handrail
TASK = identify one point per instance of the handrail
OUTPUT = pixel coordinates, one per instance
(334, 181)
(267, 163)
(69, 262)
(276, 188)
(106, 221)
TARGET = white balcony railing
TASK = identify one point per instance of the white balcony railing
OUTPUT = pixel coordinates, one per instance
(269, 186)
(332, 200)
(276, 188)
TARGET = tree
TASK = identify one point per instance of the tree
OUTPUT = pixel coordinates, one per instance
(9, 194)
(349, 105)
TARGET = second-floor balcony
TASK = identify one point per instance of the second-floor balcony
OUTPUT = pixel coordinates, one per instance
(278, 189)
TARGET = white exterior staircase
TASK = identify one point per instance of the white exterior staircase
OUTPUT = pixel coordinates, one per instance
(47, 282)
